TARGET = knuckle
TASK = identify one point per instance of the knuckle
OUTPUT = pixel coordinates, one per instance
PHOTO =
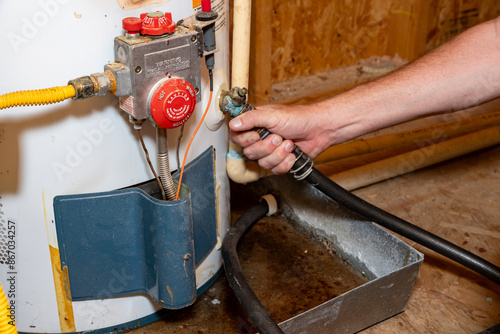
(265, 164)
(283, 153)
(235, 138)
(249, 154)
(278, 170)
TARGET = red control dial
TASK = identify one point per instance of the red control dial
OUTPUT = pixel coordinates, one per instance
(157, 23)
(153, 23)
(172, 102)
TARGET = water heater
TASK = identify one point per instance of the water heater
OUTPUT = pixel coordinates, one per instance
(87, 244)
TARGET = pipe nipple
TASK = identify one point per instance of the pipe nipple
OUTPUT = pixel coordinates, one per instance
(272, 203)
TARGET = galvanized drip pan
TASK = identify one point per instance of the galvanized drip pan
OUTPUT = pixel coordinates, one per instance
(390, 265)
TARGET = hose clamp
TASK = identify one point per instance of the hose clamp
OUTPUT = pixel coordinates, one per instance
(303, 171)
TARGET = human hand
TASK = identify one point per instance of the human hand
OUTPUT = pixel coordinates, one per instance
(301, 125)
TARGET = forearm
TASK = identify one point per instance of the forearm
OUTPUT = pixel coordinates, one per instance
(461, 73)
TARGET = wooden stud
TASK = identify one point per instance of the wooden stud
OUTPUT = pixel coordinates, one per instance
(260, 58)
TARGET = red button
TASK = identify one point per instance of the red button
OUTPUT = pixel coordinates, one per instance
(132, 25)
(172, 103)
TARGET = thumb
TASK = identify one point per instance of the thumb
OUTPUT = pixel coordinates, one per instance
(248, 121)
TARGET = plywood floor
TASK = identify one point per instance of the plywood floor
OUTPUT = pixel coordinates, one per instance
(457, 200)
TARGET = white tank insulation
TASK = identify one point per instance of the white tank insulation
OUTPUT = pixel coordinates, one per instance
(82, 146)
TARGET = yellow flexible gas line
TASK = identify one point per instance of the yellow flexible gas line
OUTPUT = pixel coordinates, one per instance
(5, 326)
(37, 97)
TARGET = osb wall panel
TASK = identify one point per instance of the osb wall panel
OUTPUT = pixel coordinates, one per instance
(314, 35)
(310, 36)
(454, 17)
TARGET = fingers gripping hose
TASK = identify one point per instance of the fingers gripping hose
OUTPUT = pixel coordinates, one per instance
(7, 325)
(37, 97)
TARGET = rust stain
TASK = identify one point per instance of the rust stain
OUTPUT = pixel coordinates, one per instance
(61, 283)
(171, 294)
(132, 4)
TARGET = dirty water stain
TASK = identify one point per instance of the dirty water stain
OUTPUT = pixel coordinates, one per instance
(289, 272)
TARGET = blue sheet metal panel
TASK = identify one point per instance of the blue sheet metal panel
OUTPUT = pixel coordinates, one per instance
(199, 176)
(123, 242)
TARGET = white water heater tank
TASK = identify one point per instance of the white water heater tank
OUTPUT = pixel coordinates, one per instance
(85, 146)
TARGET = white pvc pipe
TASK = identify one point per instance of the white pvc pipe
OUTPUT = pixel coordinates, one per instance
(242, 24)
(237, 168)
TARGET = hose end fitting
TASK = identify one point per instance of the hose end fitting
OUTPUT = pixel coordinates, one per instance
(234, 101)
(97, 84)
(84, 87)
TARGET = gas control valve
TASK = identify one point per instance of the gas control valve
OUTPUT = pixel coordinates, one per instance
(158, 67)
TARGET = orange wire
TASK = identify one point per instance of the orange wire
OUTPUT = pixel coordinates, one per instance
(189, 145)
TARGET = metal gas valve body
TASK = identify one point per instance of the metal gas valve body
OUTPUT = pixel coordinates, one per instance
(157, 68)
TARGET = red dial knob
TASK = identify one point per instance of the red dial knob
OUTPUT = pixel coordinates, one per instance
(132, 25)
(172, 102)
(157, 23)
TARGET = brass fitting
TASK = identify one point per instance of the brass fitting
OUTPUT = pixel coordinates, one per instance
(95, 84)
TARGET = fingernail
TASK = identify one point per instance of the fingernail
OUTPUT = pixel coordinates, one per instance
(289, 146)
(252, 139)
(236, 123)
(290, 158)
(276, 140)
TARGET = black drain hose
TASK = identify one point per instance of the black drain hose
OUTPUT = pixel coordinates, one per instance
(247, 298)
(303, 170)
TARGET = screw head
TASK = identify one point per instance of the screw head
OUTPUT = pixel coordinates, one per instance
(138, 69)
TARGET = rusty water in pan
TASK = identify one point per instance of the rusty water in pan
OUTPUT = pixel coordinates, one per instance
(289, 272)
